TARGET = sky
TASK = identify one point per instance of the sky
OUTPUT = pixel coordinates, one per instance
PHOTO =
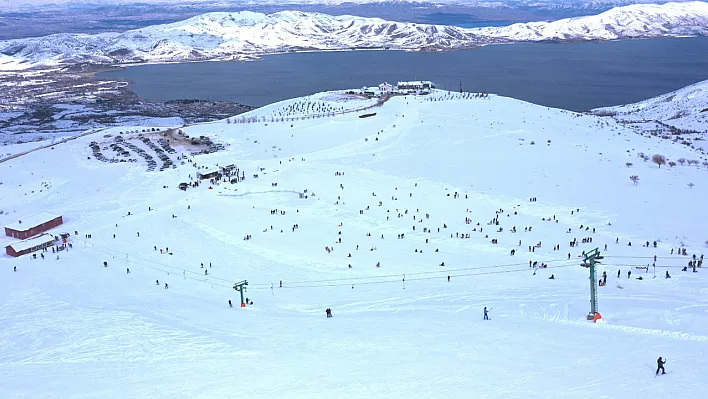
(14, 3)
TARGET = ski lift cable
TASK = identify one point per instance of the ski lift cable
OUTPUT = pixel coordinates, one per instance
(444, 271)
(397, 281)
(152, 261)
(168, 271)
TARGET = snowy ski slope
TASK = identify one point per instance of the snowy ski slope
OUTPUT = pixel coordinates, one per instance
(71, 328)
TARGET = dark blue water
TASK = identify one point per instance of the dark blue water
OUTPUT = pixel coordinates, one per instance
(462, 20)
(576, 76)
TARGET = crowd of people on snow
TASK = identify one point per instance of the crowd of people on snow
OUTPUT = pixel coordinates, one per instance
(422, 231)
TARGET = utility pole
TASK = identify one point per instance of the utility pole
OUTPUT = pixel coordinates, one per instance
(241, 287)
(590, 260)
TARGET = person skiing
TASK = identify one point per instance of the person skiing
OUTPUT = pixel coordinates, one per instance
(667, 274)
(328, 312)
(166, 286)
(127, 270)
(660, 366)
(15, 268)
(230, 304)
(157, 282)
(486, 316)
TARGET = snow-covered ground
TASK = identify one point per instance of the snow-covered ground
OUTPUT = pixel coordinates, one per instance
(684, 109)
(71, 328)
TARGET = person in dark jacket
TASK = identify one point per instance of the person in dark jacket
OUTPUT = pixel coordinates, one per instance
(328, 312)
(660, 366)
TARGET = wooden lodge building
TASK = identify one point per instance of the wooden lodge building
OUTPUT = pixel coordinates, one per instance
(27, 246)
(212, 174)
(33, 225)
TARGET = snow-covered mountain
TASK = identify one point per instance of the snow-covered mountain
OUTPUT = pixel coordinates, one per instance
(217, 36)
(683, 109)
(629, 22)
(446, 174)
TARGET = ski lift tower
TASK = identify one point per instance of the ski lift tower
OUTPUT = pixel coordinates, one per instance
(590, 260)
(241, 288)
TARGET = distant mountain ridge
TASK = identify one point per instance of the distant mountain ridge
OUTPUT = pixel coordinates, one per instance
(245, 34)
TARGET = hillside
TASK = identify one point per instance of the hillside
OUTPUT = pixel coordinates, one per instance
(683, 109)
(421, 188)
(245, 34)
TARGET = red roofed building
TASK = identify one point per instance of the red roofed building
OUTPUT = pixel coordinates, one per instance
(31, 245)
(33, 225)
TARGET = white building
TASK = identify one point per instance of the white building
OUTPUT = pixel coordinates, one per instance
(416, 85)
(385, 87)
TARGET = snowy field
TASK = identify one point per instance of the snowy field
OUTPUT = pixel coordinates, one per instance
(71, 328)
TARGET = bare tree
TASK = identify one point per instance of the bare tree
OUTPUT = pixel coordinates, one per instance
(634, 179)
(629, 164)
(690, 185)
(659, 159)
(681, 161)
(672, 163)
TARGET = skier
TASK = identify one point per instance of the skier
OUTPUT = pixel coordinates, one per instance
(618, 273)
(667, 274)
(328, 312)
(604, 277)
(629, 274)
(486, 317)
(157, 282)
(166, 286)
(127, 270)
(230, 305)
(660, 366)
(15, 268)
